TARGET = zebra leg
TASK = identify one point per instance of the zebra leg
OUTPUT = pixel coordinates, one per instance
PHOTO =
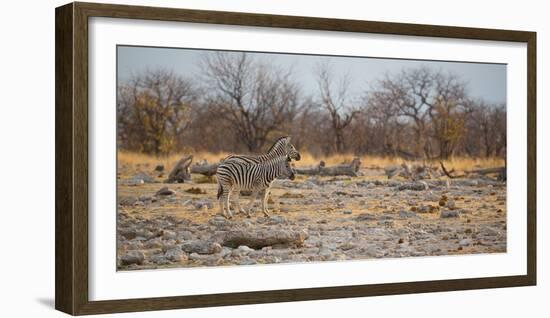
(226, 201)
(253, 197)
(264, 202)
(238, 207)
(221, 199)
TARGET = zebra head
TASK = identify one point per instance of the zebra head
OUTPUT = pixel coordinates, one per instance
(283, 147)
(292, 152)
(288, 171)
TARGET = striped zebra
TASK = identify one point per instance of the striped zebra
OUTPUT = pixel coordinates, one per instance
(281, 147)
(236, 175)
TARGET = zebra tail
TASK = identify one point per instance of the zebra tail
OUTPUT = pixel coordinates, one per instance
(220, 191)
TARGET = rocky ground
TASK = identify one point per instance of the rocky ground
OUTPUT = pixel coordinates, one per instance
(312, 219)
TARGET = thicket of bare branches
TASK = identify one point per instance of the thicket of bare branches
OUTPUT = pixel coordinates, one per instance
(240, 104)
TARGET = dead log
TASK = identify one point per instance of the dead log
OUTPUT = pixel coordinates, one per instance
(204, 168)
(180, 173)
(350, 169)
(501, 171)
(261, 238)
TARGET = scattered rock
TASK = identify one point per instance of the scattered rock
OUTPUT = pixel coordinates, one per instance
(132, 257)
(218, 221)
(406, 214)
(414, 186)
(127, 200)
(202, 203)
(195, 190)
(365, 217)
(449, 214)
(347, 212)
(175, 255)
(169, 235)
(165, 191)
(464, 242)
(346, 246)
(143, 178)
(201, 247)
(159, 168)
(451, 204)
(127, 233)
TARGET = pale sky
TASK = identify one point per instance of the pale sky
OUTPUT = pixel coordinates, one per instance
(485, 81)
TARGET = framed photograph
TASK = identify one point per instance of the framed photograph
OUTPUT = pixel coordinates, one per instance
(211, 158)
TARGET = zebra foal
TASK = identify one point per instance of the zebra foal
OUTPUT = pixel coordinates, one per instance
(236, 175)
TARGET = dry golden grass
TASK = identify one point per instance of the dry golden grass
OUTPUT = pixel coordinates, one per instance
(456, 163)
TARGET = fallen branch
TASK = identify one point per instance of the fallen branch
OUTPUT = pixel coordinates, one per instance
(350, 169)
(204, 168)
(501, 171)
(449, 173)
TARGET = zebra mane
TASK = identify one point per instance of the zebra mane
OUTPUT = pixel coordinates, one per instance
(277, 142)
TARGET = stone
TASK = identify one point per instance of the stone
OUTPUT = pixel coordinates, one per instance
(406, 214)
(449, 214)
(132, 257)
(169, 235)
(165, 191)
(185, 235)
(218, 221)
(244, 250)
(347, 212)
(451, 204)
(414, 186)
(127, 200)
(464, 242)
(346, 246)
(153, 243)
(201, 203)
(201, 247)
(175, 255)
(127, 233)
(365, 217)
(159, 259)
(159, 168)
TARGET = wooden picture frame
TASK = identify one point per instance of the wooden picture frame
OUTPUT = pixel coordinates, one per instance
(71, 90)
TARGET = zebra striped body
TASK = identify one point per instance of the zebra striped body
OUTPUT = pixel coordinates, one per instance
(236, 175)
(281, 147)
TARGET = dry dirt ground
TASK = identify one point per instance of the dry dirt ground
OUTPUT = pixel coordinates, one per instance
(332, 218)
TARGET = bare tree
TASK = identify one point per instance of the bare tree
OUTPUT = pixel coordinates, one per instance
(256, 99)
(448, 110)
(153, 110)
(435, 104)
(335, 99)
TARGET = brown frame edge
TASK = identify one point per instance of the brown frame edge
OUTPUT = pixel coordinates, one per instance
(71, 142)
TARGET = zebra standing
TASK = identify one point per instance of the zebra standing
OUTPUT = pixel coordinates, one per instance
(281, 147)
(237, 175)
